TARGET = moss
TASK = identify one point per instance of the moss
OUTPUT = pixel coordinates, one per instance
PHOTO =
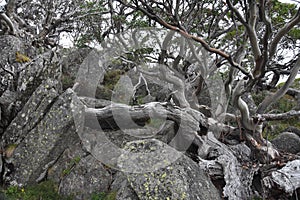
(104, 196)
(280, 126)
(296, 84)
(155, 122)
(76, 160)
(112, 77)
(46, 190)
(67, 81)
(71, 165)
(66, 171)
(110, 80)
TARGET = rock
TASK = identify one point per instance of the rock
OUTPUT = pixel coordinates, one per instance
(288, 142)
(66, 162)
(182, 179)
(9, 67)
(45, 142)
(90, 73)
(70, 65)
(8, 109)
(293, 129)
(41, 68)
(31, 114)
(123, 188)
(24, 77)
(9, 46)
(87, 177)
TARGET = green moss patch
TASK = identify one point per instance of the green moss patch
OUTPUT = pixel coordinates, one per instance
(46, 190)
(104, 196)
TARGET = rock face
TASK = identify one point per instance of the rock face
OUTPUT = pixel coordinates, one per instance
(47, 146)
(87, 177)
(9, 46)
(40, 139)
(288, 142)
(8, 70)
(19, 78)
(178, 180)
(8, 108)
(70, 64)
(41, 144)
(32, 113)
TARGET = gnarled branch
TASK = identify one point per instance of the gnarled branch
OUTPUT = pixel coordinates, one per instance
(273, 98)
(284, 30)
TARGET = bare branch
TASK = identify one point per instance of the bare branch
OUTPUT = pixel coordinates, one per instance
(284, 30)
(195, 38)
(9, 23)
(250, 27)
(281, 116)
(273, 98)
(237, 13)
(242, 106)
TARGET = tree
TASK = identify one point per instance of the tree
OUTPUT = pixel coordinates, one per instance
(243, 37)
(43, 21)
(245, 43)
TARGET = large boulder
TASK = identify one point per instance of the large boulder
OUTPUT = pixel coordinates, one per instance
(42, 143)
(8, 71)
(48, 129)
(84, 178)
(32, 113)
(293, 129)
(288, 142)
(182, 179)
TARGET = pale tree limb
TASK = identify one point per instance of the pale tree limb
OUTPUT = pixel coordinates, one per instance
(282, 32)
(178, 85)
(281, 116)
(269, 100)
(142, 113)
(253, 133)
(135, 88)
(250, 27)
(247, 122)
(263, 11)
(8, 22)
(189, 36)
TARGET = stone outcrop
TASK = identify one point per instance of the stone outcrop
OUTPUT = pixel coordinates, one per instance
(60, 127)
(44, 136)
(287, 142)
(177, 180)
